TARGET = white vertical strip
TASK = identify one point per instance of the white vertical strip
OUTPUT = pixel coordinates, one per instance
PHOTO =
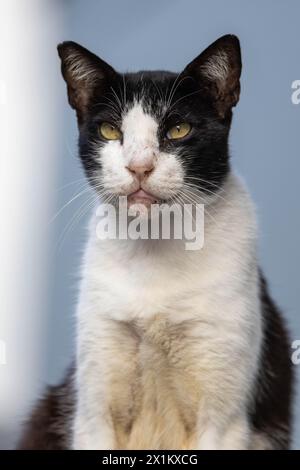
(29, 140)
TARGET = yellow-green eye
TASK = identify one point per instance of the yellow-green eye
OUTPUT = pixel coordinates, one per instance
(179, 131)
(109, 131)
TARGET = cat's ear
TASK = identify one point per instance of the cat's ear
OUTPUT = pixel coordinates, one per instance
(218, 70)
(85, 75)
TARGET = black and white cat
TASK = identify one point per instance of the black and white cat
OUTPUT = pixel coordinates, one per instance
(176, 349)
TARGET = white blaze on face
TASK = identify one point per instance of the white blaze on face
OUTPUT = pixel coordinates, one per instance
(140, 143)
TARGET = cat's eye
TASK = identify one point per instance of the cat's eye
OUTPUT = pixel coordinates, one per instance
(179, 131)
(109, 131)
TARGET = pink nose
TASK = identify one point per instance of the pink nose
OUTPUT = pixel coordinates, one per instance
(141, 169)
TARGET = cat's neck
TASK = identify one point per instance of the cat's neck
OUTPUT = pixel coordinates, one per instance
(229, 220)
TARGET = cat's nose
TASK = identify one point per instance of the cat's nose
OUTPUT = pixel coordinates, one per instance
(141, 169)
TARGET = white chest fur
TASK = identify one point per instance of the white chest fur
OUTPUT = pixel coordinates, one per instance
(168, 339)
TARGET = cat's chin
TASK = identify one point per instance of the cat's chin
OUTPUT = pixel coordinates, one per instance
(142, 197)
(140, 208)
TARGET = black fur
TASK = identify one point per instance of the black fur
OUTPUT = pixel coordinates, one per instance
(272, 412)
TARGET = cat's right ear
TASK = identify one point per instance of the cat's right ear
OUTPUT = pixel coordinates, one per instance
(86, 75)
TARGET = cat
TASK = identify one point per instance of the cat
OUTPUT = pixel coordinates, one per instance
(176, 349)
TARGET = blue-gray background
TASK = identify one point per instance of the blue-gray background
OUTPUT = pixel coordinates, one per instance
(167, 34)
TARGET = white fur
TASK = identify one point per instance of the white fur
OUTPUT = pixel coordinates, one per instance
(168, 339)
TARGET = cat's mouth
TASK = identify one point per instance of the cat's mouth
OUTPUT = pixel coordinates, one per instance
(142, 197)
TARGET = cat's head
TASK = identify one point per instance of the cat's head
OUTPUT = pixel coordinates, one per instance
(154, 136)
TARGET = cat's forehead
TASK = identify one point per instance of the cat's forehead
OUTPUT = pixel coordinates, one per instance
(149, 91)
(142, 94)
(139, 123)
(147, 80)
(167, 97)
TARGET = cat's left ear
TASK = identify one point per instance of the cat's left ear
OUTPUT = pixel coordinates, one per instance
(218, 71)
